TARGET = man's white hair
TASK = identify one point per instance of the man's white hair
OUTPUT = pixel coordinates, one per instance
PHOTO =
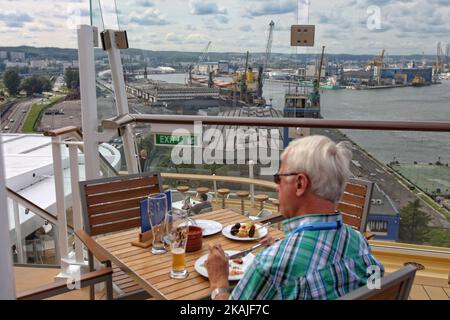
(326, 163)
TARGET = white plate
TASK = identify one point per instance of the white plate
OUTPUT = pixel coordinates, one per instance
(262, 232)
(209, 227)
(248, 259)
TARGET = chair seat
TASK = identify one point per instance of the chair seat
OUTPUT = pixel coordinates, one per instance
(223, 191)
(261, 197)
(202, 190)
(183, 189)
(242, 194)
(124, 282)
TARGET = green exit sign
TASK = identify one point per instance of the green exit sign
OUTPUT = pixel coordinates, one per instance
(167, 139)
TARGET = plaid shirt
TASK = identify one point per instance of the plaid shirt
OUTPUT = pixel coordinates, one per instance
(324, 264)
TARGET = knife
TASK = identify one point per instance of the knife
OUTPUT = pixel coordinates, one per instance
(245, 252)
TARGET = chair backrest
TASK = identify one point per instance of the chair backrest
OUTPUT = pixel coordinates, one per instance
(355, 203)
(112, 204)
(395, 286)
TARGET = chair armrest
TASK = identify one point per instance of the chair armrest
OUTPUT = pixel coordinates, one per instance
(368, 235)
(92, 246)
(61, 286)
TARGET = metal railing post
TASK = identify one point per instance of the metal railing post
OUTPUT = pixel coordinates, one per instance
(60, 198)
(76, 204)
(7, 287)
(18, 231)
(251, 165)
(215, 188)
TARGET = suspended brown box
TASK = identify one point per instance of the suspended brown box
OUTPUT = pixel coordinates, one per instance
(302, 35)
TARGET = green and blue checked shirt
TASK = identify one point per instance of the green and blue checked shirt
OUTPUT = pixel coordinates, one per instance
(324, 264)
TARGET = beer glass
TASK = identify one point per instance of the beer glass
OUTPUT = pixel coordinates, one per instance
(177, 234)
(157, 211)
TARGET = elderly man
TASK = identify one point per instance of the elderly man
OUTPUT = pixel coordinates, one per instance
(320, 257)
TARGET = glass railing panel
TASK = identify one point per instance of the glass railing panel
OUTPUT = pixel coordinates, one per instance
(33, 239)
(409, 169)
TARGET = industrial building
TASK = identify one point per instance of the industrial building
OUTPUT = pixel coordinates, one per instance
(220, 67)
(407, 75)
(384, 217)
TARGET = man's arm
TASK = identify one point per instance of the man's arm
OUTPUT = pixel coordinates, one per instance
(217, 266)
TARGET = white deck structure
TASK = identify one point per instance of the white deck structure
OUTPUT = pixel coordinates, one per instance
(29, 172)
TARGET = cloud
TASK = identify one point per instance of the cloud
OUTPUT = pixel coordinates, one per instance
(148, 17)
(271, 7)
(211, 24)
(246, 28)
(145, 3)
(174, 37)
(193, 38)
(15, 19)
(206, 8)
(222, 19)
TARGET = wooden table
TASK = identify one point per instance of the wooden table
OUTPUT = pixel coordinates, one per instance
(152, 271)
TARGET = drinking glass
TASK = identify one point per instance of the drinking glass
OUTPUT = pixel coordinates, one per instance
(157, 212)
(177, 234)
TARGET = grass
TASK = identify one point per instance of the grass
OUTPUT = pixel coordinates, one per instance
(419, 191)
(435, 206)
(428, 177)
(35, 114)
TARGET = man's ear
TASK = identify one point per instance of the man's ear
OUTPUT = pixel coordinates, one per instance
(302, 184)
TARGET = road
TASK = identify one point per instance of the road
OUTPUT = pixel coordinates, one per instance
(14, 119)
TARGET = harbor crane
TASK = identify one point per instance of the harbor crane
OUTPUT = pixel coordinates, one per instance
(263, 67)
(203, 57)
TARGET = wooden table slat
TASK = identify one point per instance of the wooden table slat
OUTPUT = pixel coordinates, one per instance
(152, 271)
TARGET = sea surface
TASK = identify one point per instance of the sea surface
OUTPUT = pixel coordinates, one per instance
(430, 103)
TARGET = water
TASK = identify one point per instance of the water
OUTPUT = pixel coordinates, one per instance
(430, 103)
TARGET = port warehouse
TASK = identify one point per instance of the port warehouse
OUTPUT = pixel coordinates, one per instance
(392, 73)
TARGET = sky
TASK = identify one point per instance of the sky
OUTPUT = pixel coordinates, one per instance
(343, 26)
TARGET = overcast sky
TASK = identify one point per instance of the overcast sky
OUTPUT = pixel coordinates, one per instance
(343, 26)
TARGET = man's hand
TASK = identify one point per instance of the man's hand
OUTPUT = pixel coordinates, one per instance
(217, 266)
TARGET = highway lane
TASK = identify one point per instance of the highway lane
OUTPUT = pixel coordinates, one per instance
(15, 117)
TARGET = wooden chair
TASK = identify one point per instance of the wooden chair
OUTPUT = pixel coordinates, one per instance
(112, 205)
(60, 287)
(395, 286)
(354, 206)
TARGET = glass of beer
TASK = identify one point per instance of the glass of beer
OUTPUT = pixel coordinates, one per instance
(157, 212)
(177, 234)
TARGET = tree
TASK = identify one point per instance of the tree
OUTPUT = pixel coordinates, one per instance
(414, 223)
(11, 79)
(72, 78)
(35, 84)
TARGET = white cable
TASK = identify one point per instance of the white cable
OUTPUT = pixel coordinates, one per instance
(117, 14)
(101, 13)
